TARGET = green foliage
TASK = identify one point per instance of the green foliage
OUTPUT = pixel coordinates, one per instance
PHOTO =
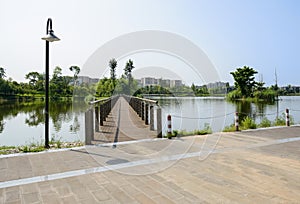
(60, 86)
(265, 123)
(200, 91)
(281, 120)
(76, 71)
(230, 128)
(31, 148)
(55, 142)
(234, 95)
(113, 64)
(265, 95)
(2, 73)
(127, 70)
(105, 87)
(179, 133)
(244, 80)
(248, 123)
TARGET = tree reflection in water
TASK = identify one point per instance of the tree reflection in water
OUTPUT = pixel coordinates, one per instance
(60, 112)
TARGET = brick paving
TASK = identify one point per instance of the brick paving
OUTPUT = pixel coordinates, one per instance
(259, 166)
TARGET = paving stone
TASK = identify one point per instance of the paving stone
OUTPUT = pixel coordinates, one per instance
(122, 197)
(142, 198)
(51, 199)
(31, 197)
(12, 196)
(251, 169)
(68, 199)
(162, 199)
(101, 195)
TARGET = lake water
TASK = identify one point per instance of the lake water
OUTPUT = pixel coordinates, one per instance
(22, 123)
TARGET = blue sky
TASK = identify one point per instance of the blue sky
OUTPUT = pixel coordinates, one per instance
(263, 34)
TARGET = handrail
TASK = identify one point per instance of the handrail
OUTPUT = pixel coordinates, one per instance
(102, 100)
(143, 99)
(98, 101)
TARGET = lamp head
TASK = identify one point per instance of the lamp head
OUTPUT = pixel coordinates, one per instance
(50, 37)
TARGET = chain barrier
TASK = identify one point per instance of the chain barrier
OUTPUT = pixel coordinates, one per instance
(212, 117)
(227, 114)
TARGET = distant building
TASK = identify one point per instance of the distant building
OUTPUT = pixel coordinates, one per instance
(175, 83)
(215, 85)
(86, 80)
(148, 81)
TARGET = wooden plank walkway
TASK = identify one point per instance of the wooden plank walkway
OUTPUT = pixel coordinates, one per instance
(122, 124)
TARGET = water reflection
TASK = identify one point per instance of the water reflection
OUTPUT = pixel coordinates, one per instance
(21, 122)
(254, 110)
(17, 118)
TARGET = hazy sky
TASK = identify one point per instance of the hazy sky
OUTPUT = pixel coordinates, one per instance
(263, 34)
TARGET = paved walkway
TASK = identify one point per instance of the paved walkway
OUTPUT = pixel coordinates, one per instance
(246, 167)
(123, 124)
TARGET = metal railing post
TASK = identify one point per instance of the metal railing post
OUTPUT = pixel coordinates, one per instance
(96, 118)
(159, 122)
(146, 114)
(151, 117)
(89, 127)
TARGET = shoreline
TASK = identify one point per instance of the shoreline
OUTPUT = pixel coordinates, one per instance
(80, 145)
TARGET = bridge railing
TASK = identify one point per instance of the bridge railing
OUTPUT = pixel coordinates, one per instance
(101, 109)
(145, 109)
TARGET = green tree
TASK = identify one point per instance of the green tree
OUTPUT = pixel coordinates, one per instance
(33, 78)
(2, 73)
(76, 71)
(128, 69)
(57, 72)
(244, 80)
(113, 64)
(60, 85)
(105, 87)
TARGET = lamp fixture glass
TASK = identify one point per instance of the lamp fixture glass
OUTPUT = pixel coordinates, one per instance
(50, 37)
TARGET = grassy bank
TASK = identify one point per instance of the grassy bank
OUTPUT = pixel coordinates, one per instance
(39, 146)
(181, 133)
(249, 123)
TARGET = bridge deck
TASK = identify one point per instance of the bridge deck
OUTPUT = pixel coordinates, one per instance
(122, 124)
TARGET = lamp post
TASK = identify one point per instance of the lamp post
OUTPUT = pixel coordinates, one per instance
(50, 37)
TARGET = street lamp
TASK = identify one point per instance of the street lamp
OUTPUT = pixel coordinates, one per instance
(50, 37)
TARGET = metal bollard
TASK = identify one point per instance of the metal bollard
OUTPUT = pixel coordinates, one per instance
(236, 119)
(287, 119)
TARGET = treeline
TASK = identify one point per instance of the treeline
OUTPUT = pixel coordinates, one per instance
(126, 84)
(59, 85)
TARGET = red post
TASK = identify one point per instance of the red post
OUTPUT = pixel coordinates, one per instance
(236, 119)
(287, 119)
(169, 134)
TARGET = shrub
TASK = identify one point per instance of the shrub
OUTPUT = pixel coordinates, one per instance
(230, 128)
(265, 123)
(265, 95)
(248, 123)
(280, 121)
(234, 95)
